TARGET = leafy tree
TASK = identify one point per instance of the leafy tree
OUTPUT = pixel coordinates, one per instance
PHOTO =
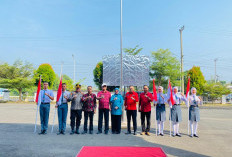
(18, 76)
(215, 91)
(163, 67)
(47, 73)
(197, 79)
(133, 51)
(65, 79)
(98, 76)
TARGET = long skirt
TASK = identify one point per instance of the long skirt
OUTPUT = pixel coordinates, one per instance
(160, 112)
(194, 113)
(176, 113)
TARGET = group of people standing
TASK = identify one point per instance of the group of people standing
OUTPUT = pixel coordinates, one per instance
(113, 104)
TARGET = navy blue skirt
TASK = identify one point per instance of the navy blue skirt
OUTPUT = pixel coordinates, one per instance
(194, 113)
(176, 113)
(160, 112)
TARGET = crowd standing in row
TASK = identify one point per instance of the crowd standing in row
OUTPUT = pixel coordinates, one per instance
(86, 103)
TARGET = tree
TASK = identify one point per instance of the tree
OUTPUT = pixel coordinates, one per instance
(133, 51)
(164, 66)
(197, 79)
(98, 76)
(18, 76)
(215, 91)
(65, 79)
(48, 75)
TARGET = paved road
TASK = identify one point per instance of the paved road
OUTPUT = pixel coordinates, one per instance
(17, 137)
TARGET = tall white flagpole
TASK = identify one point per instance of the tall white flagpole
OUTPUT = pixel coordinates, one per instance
(37, 110)
(155, 121)
(36, 117)
(56, 98)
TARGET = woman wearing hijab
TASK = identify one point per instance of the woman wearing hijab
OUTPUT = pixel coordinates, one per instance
(194, 113)
(176, 116)
(160, 110)
(116, 111)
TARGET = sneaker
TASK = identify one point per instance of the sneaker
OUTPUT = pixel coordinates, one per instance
(148, 134)
(72, 132)
(41, 133)
(128, 132)
(178, 135)
(142, 133)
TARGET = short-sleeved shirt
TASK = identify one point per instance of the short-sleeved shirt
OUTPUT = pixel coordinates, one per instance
(63, 100)
(144, 102)
(89, 104)
(104, 103)
(130, 104)
(45, 98)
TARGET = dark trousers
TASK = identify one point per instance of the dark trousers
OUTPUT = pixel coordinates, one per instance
(148, 117)
(44, 116)
(75, 117)
(88, 114)
(133, 114)
(116, 123)
(104, 112)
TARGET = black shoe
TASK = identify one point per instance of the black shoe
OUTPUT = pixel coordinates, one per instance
(161, 134)
(135, 133)
(59, 133)
(63, 133)
(178, 135)
(191, 136)
(77, 131)
(113, 132)
(117, 132)
(99, 132)
(72, 132)
(91, 132)
(106, 132)
(128, 132)
(196, 135)
(84, 132)
(41, 133)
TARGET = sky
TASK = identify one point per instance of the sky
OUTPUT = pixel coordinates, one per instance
(50, 31)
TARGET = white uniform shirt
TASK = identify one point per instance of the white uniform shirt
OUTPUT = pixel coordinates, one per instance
(194, 100)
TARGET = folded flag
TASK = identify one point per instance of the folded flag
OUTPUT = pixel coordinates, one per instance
(154, 90)
(38, 94)
(59, 93)
(170, 96)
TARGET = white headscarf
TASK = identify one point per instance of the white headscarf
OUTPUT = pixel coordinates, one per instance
(175, 88)
(162, 89)
(193, 89)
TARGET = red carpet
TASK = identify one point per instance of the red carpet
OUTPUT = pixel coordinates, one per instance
(87, 151)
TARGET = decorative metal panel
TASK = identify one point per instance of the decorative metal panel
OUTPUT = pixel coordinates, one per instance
(135, 70)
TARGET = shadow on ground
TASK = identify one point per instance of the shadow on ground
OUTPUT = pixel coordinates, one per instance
(19, 140)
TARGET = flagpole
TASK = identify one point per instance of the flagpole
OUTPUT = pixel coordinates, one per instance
(170, 127)
(155, 121)
(36, 117)
(56, 98)
(188, 103)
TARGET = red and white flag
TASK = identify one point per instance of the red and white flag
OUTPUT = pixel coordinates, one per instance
(188, 90)
(38, 94)
(170, 93)
(154, 90)
(59, 93)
